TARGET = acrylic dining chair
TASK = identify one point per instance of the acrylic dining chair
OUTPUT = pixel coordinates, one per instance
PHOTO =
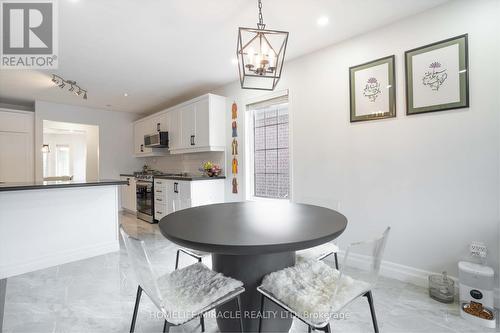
(315, 293)
(323, 251)
(182, 295)
(179, 204)
(320, 252)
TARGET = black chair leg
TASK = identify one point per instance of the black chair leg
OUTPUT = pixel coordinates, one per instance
(177, 259)
(202, 323)
(136, 308)
(166, 326)
(261, 311)
(369, 297)
(238, 307)
(336, 260)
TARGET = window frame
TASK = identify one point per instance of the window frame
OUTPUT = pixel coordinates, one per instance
(57, 152)
(250, 147)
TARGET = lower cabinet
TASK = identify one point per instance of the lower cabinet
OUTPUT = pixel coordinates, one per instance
(128, 194)
(173, 195)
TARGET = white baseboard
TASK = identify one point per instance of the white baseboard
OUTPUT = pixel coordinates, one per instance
(409, 274)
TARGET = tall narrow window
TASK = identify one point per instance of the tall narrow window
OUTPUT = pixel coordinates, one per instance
(270, 149)
(62, 160)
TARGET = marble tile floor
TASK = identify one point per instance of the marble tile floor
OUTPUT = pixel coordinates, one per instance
(97, 295)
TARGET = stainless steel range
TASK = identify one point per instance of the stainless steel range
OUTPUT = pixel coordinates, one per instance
(145, 196)
(145, 193)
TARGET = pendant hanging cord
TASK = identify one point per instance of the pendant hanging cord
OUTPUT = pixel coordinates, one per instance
(261, 24)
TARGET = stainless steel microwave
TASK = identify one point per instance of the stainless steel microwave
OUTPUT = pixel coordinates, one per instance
(157, 140)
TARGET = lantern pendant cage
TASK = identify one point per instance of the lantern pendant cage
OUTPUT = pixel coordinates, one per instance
(261, 54)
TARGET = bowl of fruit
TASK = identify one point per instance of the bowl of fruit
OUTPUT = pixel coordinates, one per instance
(211, 169)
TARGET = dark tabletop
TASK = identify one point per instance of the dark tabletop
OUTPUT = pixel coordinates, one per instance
(249, 228)
(58, 184)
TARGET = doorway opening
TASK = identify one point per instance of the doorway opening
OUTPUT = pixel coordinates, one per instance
(70, 151)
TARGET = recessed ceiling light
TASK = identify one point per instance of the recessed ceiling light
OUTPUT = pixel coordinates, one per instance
(322, 21)
(234, 61)
(125, 94)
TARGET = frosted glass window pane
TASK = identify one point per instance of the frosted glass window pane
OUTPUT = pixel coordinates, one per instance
(283, 135)
(283, 161)
(271, 161)
(260, 185)
(260, 116)
(260, 161)
(271, 137)
(271, 153)
(272, 185)
(260, 138)
(271, 116)
(283, 186)
(283, 113)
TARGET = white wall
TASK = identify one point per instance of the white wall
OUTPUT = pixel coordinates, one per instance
(115, 135)
(433, 177)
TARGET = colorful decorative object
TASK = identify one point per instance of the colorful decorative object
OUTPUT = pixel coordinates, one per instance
(234, 111)
(437, 76)
(211, 169)
(235, 185)
(372, 90)
(234, 126)
(235, 166)
(234, 147)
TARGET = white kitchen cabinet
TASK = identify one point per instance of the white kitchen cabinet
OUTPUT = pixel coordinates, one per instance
(174, 130)
(128, 194)
(188, 125)
(141, 128)
(16, 146)
(148, 126)
(174, 195)
(201, 124)
(197, 125)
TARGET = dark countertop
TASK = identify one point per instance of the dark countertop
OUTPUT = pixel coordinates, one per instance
(58, 184)
(189, 178)
(127, 175)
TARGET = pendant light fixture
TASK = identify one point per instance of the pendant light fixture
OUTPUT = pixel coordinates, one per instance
(261, 54)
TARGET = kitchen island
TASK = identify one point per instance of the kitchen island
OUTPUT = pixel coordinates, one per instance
(44, 224)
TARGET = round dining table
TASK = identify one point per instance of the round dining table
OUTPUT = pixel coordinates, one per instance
(248, 240)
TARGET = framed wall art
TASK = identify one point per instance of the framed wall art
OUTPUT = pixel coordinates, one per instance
(372, 90)
(437, 76)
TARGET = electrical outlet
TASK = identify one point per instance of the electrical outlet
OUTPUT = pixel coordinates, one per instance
(478, 249)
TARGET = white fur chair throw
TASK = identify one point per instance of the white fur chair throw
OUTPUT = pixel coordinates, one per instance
(188, 290)
(309, 289)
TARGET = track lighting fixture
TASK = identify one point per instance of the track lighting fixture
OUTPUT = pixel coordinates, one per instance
(73, 86)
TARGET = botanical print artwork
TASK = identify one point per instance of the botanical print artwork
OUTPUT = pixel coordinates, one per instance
(435, 76)
(372, 89)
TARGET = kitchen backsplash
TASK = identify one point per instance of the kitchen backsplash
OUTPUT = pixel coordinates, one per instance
(189, 163)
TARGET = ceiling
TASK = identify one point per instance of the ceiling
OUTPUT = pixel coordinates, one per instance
(160, 52)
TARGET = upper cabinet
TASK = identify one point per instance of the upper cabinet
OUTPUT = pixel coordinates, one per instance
(193, 126)
(147, 126)
(200, 123)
